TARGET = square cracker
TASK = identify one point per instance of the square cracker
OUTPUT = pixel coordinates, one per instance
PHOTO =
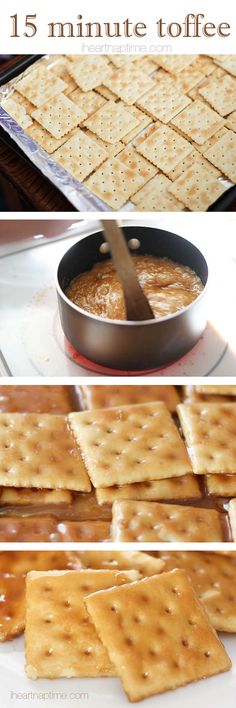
(36, 497)
(185, 487)
(130, 444)
(112, 149)
(15, 529)
(16, 111)
(84, 531)
(59, 116)
(80, 155)
(197, 188)
(111, 122)
(114, 182)
(98, 396)
(61, 640)
(228, 62)
(40, 85)
(38, 450)
(89, 102)
(145, 521)
(21, 562)
(212, 577)
(158, 635)
(223, 154)
(198, 122)
(175, 63)
(220, 94)
(43, 138)
(34, 399)
(165, 148)
(129, 83)
(210, 433)
(155, 196)
(221, 485)
(144, 564)
(12, 607)
(163, 101)
(217, 389)
(89, 71)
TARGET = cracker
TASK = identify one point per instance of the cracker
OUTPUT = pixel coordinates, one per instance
(231, 121)
(216, 389)
(59, 116)
(89, 71)
(221, 485)
(37, 450)
(165, 148)
(84, 531)
(155, 196)
(195, 158)
(185, 487)
(80, 156)
(209, 430)
(16, 111)
(198, 122)
(28, 528)
(89, 102)
(134, 161)
(114, 183)
(223, 155)
(197, 188)
(98, 396)
(213, 578)
(130, 444)
(29, 107)
(228, 62)
(60, 639)
(163, 101)
(144, 564)
(12, 607)
(144, 521)
(106, 93)
(111, 122)
(40, 85)
(34, 399)
(23, 497)
(204, 63)
(111, 149)
(175, 63)
(43, 138)
(158, 635)
(21, 562)
(129, 83)
(232, 517)
(220, 94)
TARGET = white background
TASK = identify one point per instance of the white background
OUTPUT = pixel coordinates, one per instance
(149, 12)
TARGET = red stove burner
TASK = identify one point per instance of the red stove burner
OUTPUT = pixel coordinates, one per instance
(99, 369)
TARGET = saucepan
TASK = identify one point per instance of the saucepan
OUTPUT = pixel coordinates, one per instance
(124, 345)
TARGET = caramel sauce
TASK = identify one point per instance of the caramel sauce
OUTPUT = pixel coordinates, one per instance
(169, 287)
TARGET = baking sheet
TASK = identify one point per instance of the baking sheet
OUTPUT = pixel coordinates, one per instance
(213, 692)
(81, 198)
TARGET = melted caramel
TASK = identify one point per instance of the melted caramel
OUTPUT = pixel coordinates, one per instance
(168, 286)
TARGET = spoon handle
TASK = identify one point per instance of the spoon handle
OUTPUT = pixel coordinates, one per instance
(136, 303)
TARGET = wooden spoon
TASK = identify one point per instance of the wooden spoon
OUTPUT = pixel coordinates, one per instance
(136, 303)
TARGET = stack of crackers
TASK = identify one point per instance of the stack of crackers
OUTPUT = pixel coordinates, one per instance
(157, 133)
(124, 469)
(117, 614)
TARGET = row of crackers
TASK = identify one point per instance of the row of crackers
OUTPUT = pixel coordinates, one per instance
(175, 115)
(102, 614)
(132, 455)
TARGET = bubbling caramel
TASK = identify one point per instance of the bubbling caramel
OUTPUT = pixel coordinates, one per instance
(169, 287)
